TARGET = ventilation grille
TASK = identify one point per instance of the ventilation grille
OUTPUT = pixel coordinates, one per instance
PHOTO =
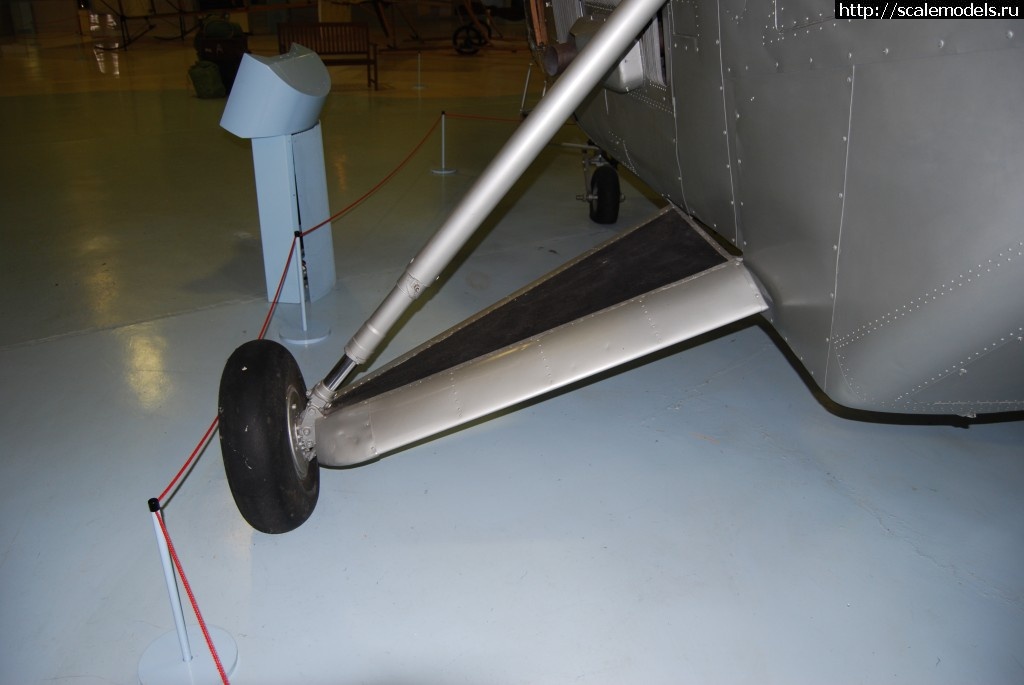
(653, 51)
(651, 45)
(566, 14)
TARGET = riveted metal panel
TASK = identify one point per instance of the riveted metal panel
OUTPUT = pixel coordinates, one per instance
(791, 15)
(791, 162)
(649, 152)
(846, 42)
(683, 20)
(643, 140)
(705, 167)
(989, 381)
(931, 266)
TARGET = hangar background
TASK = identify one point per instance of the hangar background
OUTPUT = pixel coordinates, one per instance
(701, 517)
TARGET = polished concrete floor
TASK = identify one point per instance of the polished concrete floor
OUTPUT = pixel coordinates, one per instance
(699, 518)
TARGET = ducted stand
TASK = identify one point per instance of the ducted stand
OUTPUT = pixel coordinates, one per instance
(276, 102)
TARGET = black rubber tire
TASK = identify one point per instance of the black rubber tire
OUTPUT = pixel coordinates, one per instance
(261, 394)
(604, 187)
(468, 40)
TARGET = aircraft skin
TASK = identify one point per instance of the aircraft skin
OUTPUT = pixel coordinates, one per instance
(871, 172)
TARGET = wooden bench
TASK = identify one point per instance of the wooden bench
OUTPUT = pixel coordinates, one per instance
(335, 42)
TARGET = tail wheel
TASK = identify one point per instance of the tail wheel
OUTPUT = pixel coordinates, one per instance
(604, 195)
(262, 395)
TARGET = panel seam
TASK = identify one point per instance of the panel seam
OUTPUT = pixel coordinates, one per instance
(842, 222)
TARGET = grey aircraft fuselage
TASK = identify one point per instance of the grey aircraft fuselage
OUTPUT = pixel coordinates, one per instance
(871, 172)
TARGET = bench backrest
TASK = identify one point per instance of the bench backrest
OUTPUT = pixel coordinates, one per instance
(329, 38)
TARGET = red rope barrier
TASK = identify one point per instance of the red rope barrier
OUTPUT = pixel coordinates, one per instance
(195, 453)
(208, 435)
(192, 600)
(480, 117)
(377, 187)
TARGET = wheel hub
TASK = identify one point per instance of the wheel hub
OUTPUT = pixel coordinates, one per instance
(301, 447)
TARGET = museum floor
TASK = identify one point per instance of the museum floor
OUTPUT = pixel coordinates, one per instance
(700, 518)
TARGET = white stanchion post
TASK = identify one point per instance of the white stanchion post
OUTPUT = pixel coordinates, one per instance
(444, 170)
(419, 72)
(169, 659)
(172, 583)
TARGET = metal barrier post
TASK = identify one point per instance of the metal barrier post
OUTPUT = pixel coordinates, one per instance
(444, 170)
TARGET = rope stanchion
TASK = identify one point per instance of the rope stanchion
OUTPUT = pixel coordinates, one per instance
(172, 586)
(419, 73)
(444, 170)
(161, 663)
(192, 599)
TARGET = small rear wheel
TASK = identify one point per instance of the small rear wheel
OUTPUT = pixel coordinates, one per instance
(262, 395)
(604, 195)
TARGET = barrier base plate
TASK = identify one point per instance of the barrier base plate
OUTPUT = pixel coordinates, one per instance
(161, 663)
